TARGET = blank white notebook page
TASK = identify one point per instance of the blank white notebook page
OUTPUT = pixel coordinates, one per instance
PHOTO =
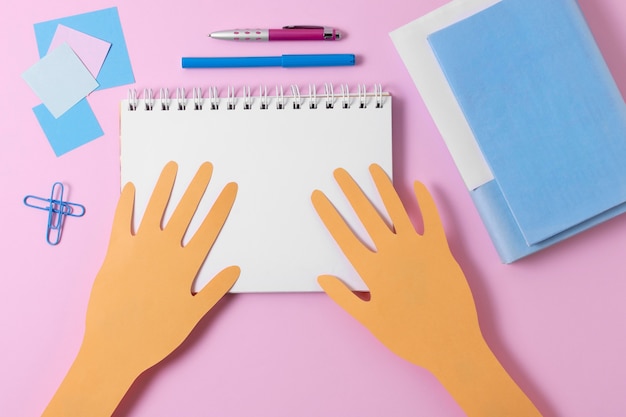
(277, 156)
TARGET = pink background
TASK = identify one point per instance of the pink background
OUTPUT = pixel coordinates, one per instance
(556, 320)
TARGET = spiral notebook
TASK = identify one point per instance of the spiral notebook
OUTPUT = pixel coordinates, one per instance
(278, 148)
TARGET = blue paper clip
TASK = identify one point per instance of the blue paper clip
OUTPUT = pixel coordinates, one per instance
(57, 210)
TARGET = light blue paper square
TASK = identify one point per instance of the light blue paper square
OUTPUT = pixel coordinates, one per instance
(60, 80)
(102, 24)
(74, 128)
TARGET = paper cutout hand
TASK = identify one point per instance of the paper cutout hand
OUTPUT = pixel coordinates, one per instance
(141, 306)
(420, 302)
(420, 305)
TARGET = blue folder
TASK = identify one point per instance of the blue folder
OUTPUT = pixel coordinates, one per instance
(547, 116)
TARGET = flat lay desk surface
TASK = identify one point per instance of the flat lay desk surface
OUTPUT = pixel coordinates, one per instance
(556, 320)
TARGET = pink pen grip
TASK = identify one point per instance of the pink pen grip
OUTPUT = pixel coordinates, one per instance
(313, 34)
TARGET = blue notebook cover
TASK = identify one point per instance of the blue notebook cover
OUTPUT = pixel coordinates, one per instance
(547, 116)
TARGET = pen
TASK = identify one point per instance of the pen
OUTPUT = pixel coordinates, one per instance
(286, 61)
(287, 33)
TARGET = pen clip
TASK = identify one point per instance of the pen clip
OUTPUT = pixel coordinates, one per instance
(328, 32)
(303, 27)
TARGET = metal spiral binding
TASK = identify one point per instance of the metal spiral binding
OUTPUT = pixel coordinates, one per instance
(180, 99)
(247, 99)
(297, 100)
(280, 97)
(362, 96)
(148, 99)
(132, 99)
(378, 94)
(263, 97)
(330, 96)
(164, 98)
(345, 96)
(312, 96)
(197, 98)
(231, 99)
(214, 98)
(361, 99)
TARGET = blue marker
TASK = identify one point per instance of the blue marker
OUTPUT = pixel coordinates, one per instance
(285, 61)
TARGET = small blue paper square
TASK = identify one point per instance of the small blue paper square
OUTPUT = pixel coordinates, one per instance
(60, 80)
(102, 24)
(74, 128)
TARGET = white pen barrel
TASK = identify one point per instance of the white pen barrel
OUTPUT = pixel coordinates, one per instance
(256, 35)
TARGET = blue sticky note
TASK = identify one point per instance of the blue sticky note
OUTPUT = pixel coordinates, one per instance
(102, 24)
(60, 80)
(543, 108)
(74, 128)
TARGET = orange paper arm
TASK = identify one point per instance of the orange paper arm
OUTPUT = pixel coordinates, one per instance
(420, 306)
(141, 306)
